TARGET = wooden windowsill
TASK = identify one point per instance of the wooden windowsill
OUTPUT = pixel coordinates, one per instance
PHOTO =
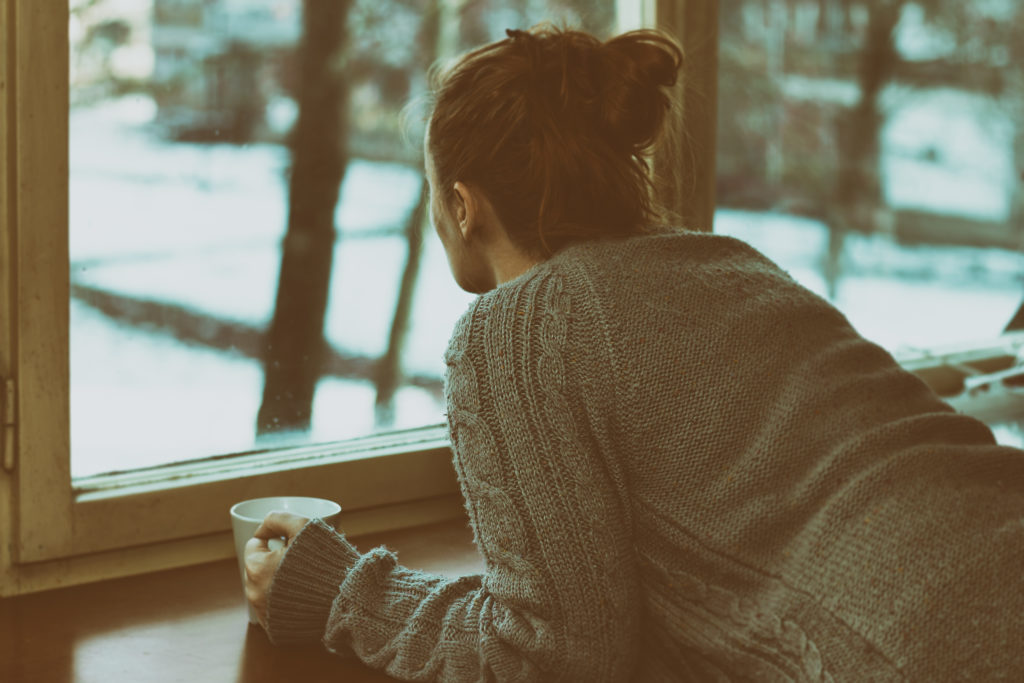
(190, 624)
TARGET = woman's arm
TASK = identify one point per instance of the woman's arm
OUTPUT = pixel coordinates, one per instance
(559, 600)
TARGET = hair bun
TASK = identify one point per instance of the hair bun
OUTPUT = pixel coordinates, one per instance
(553, 126)
(636, 67)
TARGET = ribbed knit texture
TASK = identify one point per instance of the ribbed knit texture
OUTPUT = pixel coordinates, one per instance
(681, 465)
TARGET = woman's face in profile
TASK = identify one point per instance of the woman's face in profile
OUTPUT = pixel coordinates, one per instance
(437, 213)
(460, 260)
(470, 261)
(440, 218)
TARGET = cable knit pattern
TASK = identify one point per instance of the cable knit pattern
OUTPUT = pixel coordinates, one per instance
(786, 638)
(680, 465)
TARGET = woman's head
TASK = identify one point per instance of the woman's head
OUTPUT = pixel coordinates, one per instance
(553, 127)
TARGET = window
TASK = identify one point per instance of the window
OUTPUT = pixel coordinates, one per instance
(184, 292)
(118, 167)
(249, 263)
(875, 150)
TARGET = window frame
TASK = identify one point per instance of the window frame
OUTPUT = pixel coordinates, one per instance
(57, 532)
(62, 532)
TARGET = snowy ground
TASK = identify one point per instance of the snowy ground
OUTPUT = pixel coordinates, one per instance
(199, 226)
(902, 298)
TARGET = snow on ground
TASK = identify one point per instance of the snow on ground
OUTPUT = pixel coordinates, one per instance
(199, 226)
(948, 151)
(942, 150)
(900, 297)
(140, 399)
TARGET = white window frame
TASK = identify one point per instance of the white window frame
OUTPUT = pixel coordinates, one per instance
(57, 532)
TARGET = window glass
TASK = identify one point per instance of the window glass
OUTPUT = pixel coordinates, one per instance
(875, 151)
(250, 266)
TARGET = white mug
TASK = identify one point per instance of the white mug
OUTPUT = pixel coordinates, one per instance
(247, 516)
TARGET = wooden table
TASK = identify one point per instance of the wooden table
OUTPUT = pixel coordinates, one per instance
(189, 624)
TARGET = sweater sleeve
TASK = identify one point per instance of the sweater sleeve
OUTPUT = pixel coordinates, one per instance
(306, 583)
(559, 599)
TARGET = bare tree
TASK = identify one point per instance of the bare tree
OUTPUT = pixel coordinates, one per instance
(295, 346)
(388, 372)
(1016, 94)
(857, 191)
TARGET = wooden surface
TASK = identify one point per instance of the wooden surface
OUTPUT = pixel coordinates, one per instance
(189, 624)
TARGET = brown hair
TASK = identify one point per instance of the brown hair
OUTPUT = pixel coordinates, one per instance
(554, 126)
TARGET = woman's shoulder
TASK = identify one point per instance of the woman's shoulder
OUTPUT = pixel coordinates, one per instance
(688, 262)
(681, 260)
(662, 249)
(702, 268)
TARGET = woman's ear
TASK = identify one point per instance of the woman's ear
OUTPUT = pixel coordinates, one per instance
(466, 210)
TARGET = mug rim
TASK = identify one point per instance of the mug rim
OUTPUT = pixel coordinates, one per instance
(234, 508)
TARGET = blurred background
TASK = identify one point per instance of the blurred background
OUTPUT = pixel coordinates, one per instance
(251, 261)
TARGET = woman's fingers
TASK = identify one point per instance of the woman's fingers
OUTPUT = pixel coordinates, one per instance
(279, 524)
(254, 545)
(263, 555)
(260, 565)
(261, 562)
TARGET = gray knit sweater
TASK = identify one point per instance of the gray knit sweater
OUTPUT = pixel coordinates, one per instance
(681, 465)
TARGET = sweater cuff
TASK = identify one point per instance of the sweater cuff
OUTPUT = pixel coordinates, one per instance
(306, 584)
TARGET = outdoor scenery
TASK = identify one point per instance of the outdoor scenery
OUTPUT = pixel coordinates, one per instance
(251, 261)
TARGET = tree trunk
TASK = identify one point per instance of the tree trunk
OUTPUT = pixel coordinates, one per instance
(858, 192)
(388, 374)
(438, 37)
(859, 136)
(295, 343)
(1015, 94)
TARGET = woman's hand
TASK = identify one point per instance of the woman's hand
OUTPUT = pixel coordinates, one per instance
(263, 555)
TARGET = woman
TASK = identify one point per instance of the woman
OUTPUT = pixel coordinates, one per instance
(678, 463)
